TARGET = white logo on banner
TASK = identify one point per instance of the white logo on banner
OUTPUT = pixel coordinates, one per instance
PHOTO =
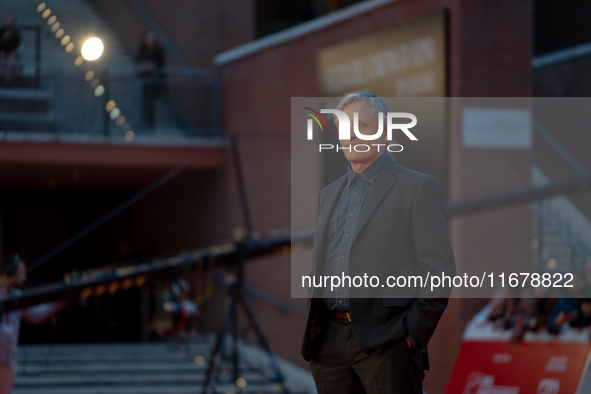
(549, 386)
(557, 364)
(479, 383)
(501, 358)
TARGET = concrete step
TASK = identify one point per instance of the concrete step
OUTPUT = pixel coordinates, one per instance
(22, 121)
(124, 379)
(25, 94)
(155, 389)
(92, 356)
(24, 100)
(112, 367)
(151, 368)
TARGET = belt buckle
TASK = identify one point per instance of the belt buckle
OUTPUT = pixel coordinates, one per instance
(342, 315)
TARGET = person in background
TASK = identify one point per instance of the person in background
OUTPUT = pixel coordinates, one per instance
(583, 316)
(569, 310)
(10, 40)
(150, 62)
(576, 309)
(12, 275)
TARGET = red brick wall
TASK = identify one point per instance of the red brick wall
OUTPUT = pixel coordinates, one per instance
(491, 48)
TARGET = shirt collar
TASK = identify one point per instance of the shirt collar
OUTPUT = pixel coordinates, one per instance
(370, 173)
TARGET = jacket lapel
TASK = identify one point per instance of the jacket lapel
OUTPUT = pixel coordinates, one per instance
(324, 216)
(385, 180)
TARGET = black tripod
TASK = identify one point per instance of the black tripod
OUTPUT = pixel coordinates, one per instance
(237, 298)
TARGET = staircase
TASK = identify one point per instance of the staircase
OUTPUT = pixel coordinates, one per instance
(71, 106)
(556, 245)
(156, 368)
(562, 233)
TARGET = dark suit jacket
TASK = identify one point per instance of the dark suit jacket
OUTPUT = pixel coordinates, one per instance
(402, 230)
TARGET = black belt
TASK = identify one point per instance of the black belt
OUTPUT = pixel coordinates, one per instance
(341, 315)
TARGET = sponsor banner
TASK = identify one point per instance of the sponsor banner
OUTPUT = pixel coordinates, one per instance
(522, 368)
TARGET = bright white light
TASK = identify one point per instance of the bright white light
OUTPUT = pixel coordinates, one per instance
(92, 49)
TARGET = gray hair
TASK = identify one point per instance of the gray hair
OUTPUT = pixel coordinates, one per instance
(375, 103)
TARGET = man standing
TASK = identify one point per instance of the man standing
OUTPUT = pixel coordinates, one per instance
(382, 219)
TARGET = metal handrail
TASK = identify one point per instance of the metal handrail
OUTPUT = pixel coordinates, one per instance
(560, 150)
(125, 85)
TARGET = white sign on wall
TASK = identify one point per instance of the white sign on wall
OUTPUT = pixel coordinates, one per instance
(496, 128)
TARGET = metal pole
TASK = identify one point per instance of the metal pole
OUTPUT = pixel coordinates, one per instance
(241, 187)
(106, 118)
(37, 56)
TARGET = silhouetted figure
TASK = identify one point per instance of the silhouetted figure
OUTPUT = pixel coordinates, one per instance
(10, 40)
(150, 62)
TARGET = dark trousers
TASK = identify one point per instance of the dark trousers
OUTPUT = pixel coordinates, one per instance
(151, 92)
(340, 367)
